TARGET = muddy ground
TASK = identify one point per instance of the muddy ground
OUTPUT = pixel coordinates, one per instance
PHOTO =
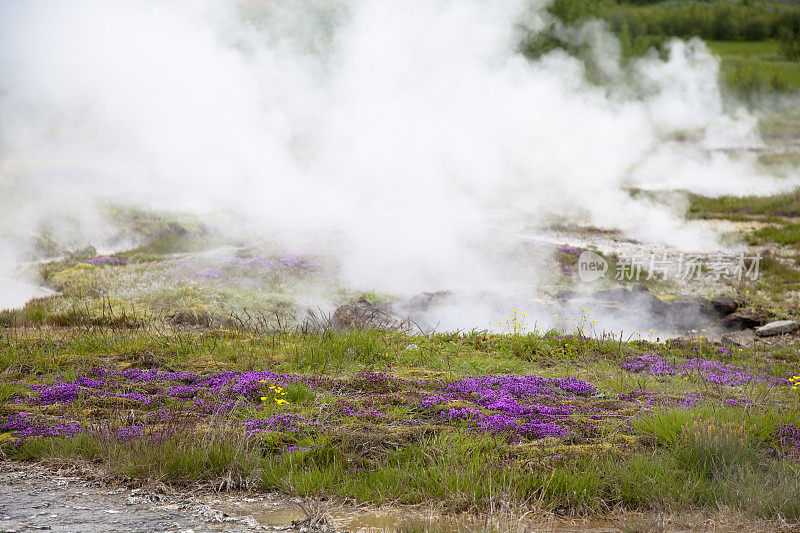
(36, 497)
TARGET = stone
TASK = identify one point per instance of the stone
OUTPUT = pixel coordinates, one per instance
(779, 327)
(638, 299)
(746, 318)
(425, 300)
(724, 305)
(363, 314)
(690, 311)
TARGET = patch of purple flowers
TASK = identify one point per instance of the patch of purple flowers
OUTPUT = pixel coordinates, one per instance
(571, 250)
(710, 371)
(209, 273)
(291, 261)
(25, 426)
(654, 399)
(293, 424)
(109, 260)
(524, 406)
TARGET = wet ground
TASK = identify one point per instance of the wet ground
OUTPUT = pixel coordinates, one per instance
(38, 498)
(34, 498)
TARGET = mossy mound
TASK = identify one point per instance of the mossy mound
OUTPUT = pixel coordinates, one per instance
(78, 280)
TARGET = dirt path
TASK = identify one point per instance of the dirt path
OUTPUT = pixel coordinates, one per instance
(34, 498)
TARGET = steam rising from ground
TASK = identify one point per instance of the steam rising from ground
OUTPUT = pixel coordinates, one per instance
(410, 139)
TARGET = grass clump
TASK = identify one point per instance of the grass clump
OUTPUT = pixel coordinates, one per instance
(715, 447)
(328, 351)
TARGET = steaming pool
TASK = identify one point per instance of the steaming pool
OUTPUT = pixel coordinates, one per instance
(15, 293)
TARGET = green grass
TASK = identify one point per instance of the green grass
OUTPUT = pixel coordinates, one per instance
(756, 65)
(465, 472)
(786, 234)
(757, 41)
(709, 456)
(745, 207)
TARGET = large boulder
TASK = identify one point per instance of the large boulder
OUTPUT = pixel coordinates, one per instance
(639, 299)
(691, 312)
(423, 301)
(363, 314)
(724, 305)
(779, 327)
(746, 318)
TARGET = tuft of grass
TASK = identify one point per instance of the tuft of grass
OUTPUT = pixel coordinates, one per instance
(714, 447)
(327, 351)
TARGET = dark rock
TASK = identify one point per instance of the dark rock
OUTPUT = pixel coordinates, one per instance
(724, 305)
(363, 314)
(639, 299)
(565, 296)
(746, 318)
(780, 327)
(616, 296)
(640, 287)
(690, 312)
(425, 300)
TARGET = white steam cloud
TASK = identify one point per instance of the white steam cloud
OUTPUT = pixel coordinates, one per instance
(410, 139)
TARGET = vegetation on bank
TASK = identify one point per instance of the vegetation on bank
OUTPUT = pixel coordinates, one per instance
(546, 421)
(770, 207)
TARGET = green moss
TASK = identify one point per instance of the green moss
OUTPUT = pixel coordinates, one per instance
(78, 280)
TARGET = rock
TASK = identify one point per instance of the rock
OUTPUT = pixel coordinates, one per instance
(690, 311)
(425, 300)
(724, 305)
(746, 318)
(779, 327)
(639, 299)
(363, 314)
(739, 339)
(640, 287)
(565, 295)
